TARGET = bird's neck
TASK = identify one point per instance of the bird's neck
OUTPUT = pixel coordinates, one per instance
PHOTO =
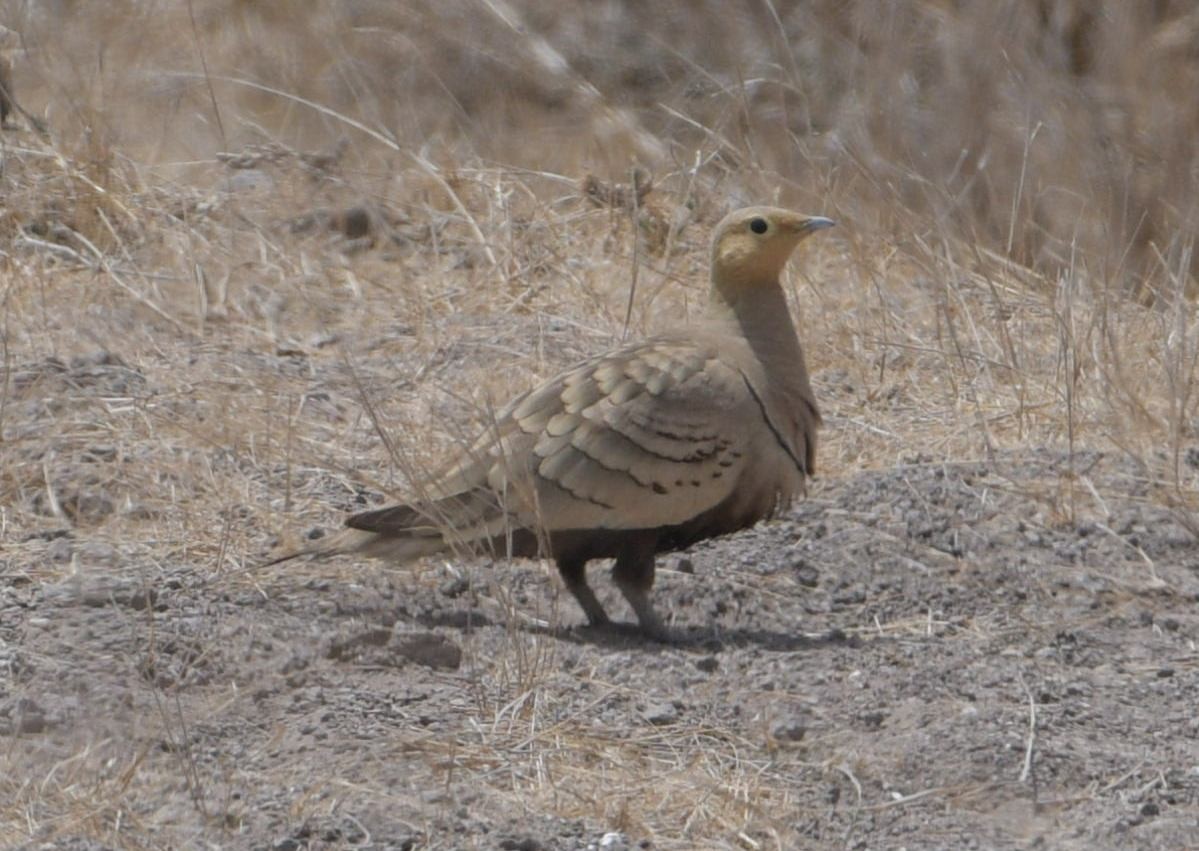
(759, 313)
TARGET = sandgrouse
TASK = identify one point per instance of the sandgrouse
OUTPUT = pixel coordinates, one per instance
(646, 449)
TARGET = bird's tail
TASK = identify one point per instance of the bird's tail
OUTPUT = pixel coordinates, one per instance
(401, 533)
(370, 544)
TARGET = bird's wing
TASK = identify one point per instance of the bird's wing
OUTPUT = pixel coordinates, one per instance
(648, 436)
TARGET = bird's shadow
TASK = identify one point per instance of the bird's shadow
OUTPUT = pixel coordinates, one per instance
(628, 636)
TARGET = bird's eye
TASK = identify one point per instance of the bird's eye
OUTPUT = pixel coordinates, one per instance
(758, 225)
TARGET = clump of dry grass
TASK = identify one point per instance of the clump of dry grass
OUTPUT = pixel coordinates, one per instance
(1015, 183)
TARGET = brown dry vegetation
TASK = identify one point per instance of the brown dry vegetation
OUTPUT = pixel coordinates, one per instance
(1015, 182)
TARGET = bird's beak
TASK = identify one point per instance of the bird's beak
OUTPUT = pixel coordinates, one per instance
(815, 223)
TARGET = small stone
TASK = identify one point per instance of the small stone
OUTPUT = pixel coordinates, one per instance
(874, 719)
(98, 454)
(428, 649)
(139, 510)
(707, 664)
(60, 550)
(349, 648)
(1150, 809)
(525, 843)
(790, 729)
(23, 716)
(614, 842)
(684, 565)
(805, 574)
(47, 535)
(296, 661)
(661, 713)
(849, 597)
(454, 587)
(836, 635)
(99, 357)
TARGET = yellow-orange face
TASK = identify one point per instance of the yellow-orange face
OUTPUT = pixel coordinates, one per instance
(751, 246)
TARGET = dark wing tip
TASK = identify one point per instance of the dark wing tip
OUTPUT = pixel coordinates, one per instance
(389, 519)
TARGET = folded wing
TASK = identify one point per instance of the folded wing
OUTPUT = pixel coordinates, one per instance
(644, 437)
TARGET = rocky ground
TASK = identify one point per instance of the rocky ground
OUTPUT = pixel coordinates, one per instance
(989, 654)
(259, 266)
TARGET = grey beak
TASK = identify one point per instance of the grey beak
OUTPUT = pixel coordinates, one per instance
(817, 223)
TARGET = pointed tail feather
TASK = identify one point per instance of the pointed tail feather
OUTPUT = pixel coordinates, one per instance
(401, 533)
(370, 544)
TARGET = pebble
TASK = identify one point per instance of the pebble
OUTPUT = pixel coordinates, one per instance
(23, 715)
(454, 587)
(661, 713)
(790, 729)
(429, 649)
(60, 550)
(526, 843)
(807, 575)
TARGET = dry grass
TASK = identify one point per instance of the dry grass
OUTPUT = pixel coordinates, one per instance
(1015, 184)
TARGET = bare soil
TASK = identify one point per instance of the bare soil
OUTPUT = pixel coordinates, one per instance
(930, 656)
(259, 267)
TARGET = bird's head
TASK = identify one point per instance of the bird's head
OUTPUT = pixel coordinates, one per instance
(751, 246)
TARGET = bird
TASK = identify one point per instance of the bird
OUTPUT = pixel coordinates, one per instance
(690, 434)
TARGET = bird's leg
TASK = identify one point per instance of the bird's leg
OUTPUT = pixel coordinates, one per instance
(574, 574)
(633, 574)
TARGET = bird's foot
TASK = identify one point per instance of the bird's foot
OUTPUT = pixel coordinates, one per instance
(651, 624)
(598, 621)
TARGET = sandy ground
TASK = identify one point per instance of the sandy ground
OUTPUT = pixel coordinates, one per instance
(990, 654)
(264, 266)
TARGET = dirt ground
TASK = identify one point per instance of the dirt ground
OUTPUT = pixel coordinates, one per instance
(259, 267)
(936, 655)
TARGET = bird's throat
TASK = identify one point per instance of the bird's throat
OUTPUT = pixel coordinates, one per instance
(760, 315)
